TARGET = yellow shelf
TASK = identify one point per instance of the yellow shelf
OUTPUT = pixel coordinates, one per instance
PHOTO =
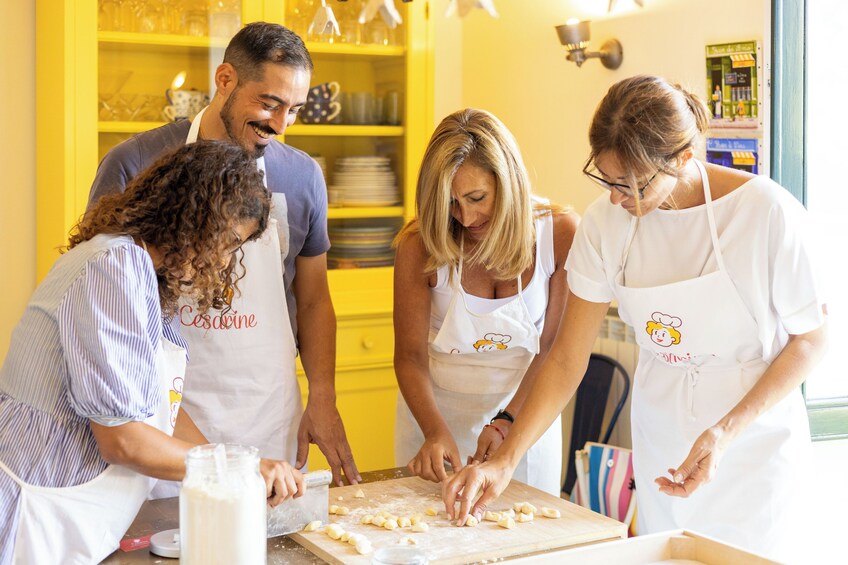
(365, 212)
(330, 130)
(295, 130)
(122, 39)
(346, 49)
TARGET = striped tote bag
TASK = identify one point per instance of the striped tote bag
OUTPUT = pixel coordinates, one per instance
(605, 481)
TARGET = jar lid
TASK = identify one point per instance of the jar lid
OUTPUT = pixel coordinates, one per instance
(165, 544)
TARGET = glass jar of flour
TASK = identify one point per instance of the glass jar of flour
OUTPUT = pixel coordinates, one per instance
(222, 506)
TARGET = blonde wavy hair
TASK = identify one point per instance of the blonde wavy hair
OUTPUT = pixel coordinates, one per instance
(475, 136)
(186, 205)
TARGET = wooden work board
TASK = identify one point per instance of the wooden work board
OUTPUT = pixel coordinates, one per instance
(446, 543)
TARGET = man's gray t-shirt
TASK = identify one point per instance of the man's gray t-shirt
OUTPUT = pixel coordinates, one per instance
(289, 171)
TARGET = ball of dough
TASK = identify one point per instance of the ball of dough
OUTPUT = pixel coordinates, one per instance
(390, 524)
(363, 546)
(420, 527)
(333, 509)
(404, 522)
(528, 508)
(342, 511)
(359, 494)
(506, 522)
(471, 521)
(367, 519)
(490, 516)
(550, 512)
(335, 531)
(524, 517)
(517, 506)
(312, 526)
(345, 536)
(431, 512)
(510, 513)
(378, 521)
(415, 519)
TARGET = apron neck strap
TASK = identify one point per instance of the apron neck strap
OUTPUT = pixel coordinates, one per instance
(708, 201)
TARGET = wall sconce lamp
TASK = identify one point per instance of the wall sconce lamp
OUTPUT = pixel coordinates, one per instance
(574, 36)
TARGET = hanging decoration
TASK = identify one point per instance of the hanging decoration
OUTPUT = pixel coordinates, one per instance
(463, 7)
(612, 4)
(324, 22)
(387, 10)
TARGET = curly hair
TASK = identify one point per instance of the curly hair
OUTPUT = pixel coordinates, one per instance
(186, 205)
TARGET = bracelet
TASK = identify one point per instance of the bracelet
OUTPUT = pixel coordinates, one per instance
(500, 431)
(503, 415)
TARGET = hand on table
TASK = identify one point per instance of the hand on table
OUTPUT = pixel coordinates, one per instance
(489, 440)
(322, 425)
(487, 479)
(429, 462)
(699, 467)
(282, 481)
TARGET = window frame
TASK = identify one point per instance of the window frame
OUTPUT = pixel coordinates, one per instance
(828, 417)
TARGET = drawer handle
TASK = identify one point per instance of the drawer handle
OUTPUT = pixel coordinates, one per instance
(368, 342)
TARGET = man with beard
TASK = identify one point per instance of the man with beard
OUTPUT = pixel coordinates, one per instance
(240, 384)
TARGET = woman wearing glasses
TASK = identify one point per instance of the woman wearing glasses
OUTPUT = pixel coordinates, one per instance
(711, 268)
(479, 294)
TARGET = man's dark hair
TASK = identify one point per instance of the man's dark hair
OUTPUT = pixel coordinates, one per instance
(262, 42)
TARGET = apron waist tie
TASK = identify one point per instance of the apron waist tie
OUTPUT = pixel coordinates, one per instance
(692, 373)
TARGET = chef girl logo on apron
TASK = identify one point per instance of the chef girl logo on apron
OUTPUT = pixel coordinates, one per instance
(663, 329)
(175, 396)
(492, 342)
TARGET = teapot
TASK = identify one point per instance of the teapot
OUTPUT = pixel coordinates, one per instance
(184, 103)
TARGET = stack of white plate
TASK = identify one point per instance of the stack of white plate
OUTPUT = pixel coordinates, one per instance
(363, 181)
(322, 162)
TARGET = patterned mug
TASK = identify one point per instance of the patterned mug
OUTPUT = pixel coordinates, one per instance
(321, 105)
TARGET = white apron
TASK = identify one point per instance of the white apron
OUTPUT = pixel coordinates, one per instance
(692, 370)
(85, 523)
(477, 362)
(241, 385)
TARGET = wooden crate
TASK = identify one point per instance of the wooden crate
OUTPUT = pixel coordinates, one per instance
(676, 546)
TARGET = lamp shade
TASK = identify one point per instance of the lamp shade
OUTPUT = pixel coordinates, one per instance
(574, 36)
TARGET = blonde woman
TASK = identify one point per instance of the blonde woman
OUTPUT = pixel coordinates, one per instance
(721, 257)
(479, 294)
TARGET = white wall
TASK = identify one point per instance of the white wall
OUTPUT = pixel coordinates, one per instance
(17, 163)
(515, 67)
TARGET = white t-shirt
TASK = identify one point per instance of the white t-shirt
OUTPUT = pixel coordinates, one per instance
(763, 235)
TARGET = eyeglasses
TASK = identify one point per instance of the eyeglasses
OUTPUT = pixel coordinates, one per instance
(623, 189)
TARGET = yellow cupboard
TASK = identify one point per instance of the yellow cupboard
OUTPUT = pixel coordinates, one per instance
(103, 67)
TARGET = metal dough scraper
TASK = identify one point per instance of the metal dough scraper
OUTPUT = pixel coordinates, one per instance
(294, 513)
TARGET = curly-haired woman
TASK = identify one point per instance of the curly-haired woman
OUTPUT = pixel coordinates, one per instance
(90, 390)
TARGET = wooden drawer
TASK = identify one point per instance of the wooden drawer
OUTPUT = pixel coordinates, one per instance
(676, 546)
(365, 342)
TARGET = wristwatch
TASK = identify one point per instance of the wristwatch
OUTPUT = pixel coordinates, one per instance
(503, 415)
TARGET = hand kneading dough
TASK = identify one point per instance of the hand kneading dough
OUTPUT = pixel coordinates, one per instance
(312, 526)
(550, 512)
(420, 527)
(506, 522)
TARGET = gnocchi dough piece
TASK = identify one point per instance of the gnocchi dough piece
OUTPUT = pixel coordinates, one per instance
(390, 524)
(342, 511)
(431, 512)
(378, 521)
(367, 519)
(524, 517)
(510, 513)
(345, 536)
(471, 521)
(408, 540)
(420, 527)
(340, 498)
(415, 519)
(550, 512)
(363, 546)
(359, 494)
(333, 509)
(516, 506)
(354, 538)
(506, 522)
(528, 508)
(404, 522)
(335, 531)
(490, 516)
(312, 526)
